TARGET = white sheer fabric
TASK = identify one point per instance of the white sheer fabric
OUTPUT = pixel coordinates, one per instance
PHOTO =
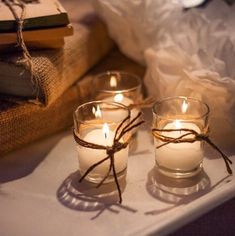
(187, 52)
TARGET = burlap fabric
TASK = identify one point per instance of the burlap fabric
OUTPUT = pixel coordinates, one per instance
(22, 124)
(57, 70)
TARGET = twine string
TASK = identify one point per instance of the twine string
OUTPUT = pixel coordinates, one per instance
(130, 126)
(121, 130)
(26, 61)
(145, 103)
(184, 138)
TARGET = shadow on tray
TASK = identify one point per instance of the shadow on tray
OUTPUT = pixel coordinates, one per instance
(24, 161)
(86, 197)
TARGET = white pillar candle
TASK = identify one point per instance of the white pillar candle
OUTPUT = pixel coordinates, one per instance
(179, 156)
(88, 157)
(120, 98)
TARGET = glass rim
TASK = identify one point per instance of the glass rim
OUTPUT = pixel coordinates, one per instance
(117, 104)
(138, 79)
(157, 103)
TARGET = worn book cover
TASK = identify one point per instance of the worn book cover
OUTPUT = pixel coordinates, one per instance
(39, 35)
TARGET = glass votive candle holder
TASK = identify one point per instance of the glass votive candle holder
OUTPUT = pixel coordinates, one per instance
(175, 119)
(118, 86)
(96, 122)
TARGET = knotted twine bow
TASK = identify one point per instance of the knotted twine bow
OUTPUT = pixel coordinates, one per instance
(184, 138)
(121, 130)
(27, 59)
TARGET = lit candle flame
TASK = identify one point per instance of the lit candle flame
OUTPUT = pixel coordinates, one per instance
(105, 130)
(178, 124)
(97, 112)
(113, 82)
(118, 97)
(184, 107)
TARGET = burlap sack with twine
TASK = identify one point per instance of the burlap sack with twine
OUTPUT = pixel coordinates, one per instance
(57, 70)
(22, 124)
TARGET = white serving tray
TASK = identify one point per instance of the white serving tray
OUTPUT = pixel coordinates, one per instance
(43, 197)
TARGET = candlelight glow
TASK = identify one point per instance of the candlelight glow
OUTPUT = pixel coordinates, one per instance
(105, 130)
(113, 82)
(184, 107)
(118, 97)
(96, 112)
(178, 124)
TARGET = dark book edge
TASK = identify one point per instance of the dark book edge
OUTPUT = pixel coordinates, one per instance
(36, 23)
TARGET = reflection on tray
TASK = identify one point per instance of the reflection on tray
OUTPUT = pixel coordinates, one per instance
(173, 190)
(178, 191)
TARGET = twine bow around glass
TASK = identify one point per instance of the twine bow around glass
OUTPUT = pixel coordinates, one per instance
(102, 131)
(180, 126)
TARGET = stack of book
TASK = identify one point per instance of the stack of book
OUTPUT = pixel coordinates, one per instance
(64, 77)
(46, 23)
